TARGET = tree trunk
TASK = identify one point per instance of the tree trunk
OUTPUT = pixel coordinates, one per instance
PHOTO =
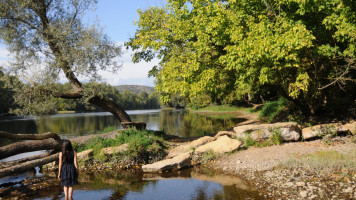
(27, 165)
(17, 162)
(28, 146)
(112, 107)
(12, 136)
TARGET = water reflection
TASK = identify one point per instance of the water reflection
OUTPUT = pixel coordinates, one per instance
(174, 122)
(187, 184)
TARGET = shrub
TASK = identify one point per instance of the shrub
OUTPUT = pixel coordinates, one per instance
(272, 109)
(109, 129)
(208, 156)
(276, 137)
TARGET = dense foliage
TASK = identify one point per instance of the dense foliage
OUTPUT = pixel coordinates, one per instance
(48, 38)
(227, 51)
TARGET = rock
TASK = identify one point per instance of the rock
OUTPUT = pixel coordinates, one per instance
(348, 190)
(228, 133)
(289, 184)
(313, 196)
(112, 150)
(351, 127)
(290, 131)
(178, 162)
(85, 155)
(323, 129)
(303, 194)
(300, 184)
(222, 145)
(189, 146)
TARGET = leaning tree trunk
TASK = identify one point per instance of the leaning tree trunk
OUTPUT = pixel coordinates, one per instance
(102, 102)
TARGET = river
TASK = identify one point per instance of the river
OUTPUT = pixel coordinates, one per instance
(181, 185)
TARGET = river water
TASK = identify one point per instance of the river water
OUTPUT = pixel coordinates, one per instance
(186, 184)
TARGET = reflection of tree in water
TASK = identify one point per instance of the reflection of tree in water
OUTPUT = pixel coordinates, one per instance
(76, 125)
(186, 124)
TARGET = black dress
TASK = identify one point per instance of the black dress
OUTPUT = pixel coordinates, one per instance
(69, 174)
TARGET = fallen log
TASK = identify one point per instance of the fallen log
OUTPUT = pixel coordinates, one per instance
(27, 165)
(12, 136)
(17, 162)
(28, 146)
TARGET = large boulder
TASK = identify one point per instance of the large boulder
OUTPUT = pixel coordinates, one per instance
(178, 162)
(85, 155)
(184, 148)
(325, 129)
(223, 144)
(290, 131)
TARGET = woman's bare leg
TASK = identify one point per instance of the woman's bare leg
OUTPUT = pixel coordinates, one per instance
(70, 193)
(65, 188)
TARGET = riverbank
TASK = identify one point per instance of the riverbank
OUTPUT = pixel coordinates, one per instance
(300, 170)
(295, 170)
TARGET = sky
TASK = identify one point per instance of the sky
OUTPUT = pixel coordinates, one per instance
(117, 18)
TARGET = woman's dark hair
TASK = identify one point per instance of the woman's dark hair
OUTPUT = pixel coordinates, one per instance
(66, 148)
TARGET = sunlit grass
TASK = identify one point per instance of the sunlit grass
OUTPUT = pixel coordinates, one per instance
(66, 112)
(225, 108)
(325, 161)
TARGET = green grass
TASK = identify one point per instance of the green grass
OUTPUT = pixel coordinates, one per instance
(224, 108)
(208, 156)
(325, 161)
(272, 109)
(66, 112)
(109, 129)
(139, 143)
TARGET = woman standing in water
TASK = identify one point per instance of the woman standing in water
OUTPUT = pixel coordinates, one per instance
(68, 169)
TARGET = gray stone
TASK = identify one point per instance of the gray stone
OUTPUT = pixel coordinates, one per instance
(184, 148)
(178, 162)
(324, 129)
(290, 131)
(303, 194)
(222, 145)
(85, 155)
(300, 184)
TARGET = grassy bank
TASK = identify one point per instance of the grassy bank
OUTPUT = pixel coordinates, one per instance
(224, 108)
(143, 146)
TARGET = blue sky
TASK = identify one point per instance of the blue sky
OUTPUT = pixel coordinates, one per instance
(117, 18)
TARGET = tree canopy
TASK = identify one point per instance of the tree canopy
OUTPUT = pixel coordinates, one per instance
(48, 38)
(225, 51)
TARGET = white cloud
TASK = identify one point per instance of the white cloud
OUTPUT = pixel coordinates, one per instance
(129, 74)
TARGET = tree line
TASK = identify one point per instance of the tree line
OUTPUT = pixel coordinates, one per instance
(127, 99)
(236, 51)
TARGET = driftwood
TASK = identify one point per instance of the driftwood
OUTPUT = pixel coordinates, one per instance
(27, 165)
(28, 146)
(20, 161)
(12, 136)
(33, 142)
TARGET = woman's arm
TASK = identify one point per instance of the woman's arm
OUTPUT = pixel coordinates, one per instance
(60, 165)
(76, 162)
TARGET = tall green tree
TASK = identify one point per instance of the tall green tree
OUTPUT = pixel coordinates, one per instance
(223, 51)
(48, 38)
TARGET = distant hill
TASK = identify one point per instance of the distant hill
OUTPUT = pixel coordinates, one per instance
(135, 88)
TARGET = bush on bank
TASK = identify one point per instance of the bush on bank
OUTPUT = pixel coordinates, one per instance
(143, 146)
